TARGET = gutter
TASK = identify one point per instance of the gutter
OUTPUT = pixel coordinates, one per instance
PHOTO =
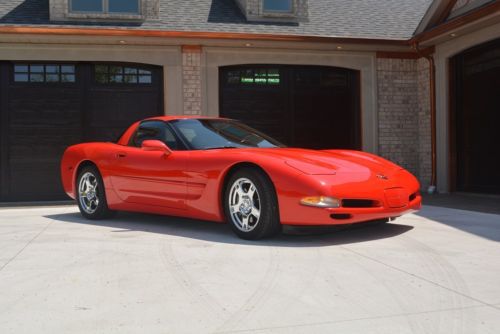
(456, 23)
(114, 32)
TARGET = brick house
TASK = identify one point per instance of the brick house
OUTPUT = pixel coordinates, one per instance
(416, 81)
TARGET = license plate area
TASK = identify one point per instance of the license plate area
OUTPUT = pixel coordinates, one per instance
(396, 197)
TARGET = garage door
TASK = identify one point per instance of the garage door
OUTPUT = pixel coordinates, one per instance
(475, 119)
(302, 106)
(46, 107)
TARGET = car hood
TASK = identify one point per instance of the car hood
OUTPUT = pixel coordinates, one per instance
(331, 162)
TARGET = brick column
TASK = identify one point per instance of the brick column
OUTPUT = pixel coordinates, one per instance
(398, 110)
(404, 114)
(191, 79)
(424, 123)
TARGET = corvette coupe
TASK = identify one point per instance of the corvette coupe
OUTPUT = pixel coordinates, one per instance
(224, 171)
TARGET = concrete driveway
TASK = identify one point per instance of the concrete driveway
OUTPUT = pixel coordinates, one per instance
(435, 272)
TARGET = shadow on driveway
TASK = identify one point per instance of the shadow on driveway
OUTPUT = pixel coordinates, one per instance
(221, 233)
(484, 225)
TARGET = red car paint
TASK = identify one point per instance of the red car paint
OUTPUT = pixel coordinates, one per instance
(191, 183)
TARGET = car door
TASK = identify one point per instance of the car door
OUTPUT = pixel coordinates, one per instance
(152, 178)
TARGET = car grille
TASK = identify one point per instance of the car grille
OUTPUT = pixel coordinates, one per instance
(359, 203)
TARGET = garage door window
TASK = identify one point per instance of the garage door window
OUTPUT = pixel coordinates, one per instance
(44, 73)
(254, 77)
(111, 74)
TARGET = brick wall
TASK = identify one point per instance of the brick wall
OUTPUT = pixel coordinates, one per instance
(191, 80)
(398, 111)
(404, 114)
(424, 123)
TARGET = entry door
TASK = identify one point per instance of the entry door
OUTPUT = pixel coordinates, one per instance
(475, 119)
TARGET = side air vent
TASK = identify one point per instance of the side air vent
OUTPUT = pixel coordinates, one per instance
(341, 216)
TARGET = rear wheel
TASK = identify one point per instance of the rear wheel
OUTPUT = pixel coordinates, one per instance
(91, 196)
(250, 205)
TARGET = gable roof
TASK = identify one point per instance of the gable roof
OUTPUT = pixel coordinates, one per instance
(441, 11)
(371, 19)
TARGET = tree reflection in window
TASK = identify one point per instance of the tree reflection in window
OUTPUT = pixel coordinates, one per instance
(257, 76)
(114, 74)
(44, 73)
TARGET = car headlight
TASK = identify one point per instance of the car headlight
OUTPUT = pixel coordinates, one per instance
(321, 202)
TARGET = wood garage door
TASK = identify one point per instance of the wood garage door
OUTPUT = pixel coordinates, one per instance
(475, 119)
(301, 106)
(45, 107)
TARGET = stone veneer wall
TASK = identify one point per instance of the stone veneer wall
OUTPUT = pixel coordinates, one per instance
(404, 114)
(191, 80)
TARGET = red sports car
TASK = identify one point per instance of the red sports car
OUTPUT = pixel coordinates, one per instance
(222, 170)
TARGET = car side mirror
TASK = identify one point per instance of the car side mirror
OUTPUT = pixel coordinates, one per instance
(156, 146)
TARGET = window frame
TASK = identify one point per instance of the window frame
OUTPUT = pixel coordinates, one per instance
(181, 145)
(273, 76)
(123, 73)
(291, 11)
(189, 146)
(44, 73)
(105, 10)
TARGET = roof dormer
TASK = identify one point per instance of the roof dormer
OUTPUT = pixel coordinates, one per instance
(103, 10)
(275, 10)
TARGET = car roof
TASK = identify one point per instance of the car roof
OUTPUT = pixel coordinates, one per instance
(178, 117)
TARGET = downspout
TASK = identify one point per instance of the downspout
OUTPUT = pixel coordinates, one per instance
(432, 87)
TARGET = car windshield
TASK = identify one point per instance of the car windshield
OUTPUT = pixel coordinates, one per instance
(206, 134)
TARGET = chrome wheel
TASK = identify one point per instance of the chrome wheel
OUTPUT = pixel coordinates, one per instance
(88, 193)
(244, 205)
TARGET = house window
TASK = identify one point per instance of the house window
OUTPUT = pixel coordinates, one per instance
(105, 6)
(93, 6)
(123, 6)
(278, 6)
(113, 74)
(44, 73)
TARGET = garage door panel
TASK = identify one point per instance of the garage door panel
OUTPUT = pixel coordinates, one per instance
(30, 183)
(44, 118)
(30, 142)
(32, 107)
(308, 106)
(475, 119)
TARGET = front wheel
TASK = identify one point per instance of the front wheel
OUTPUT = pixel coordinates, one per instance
(91, 196)
(251, 206)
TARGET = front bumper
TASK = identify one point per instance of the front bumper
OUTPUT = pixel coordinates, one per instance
(308, 216)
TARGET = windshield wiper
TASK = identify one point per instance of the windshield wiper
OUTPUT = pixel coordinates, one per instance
(219, 147)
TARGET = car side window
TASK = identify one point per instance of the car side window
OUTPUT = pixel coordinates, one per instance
(155, 130)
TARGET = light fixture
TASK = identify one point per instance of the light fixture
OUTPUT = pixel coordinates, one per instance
(453, 35)
(321, 202)
(122, 42)
(339, 47)
(248, 45)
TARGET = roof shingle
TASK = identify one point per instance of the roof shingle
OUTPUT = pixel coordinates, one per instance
(375, 19)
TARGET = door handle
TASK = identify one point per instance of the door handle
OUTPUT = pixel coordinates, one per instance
(121, 155)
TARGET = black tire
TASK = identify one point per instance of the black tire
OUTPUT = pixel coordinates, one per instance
(237, 202)
(99, 209)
